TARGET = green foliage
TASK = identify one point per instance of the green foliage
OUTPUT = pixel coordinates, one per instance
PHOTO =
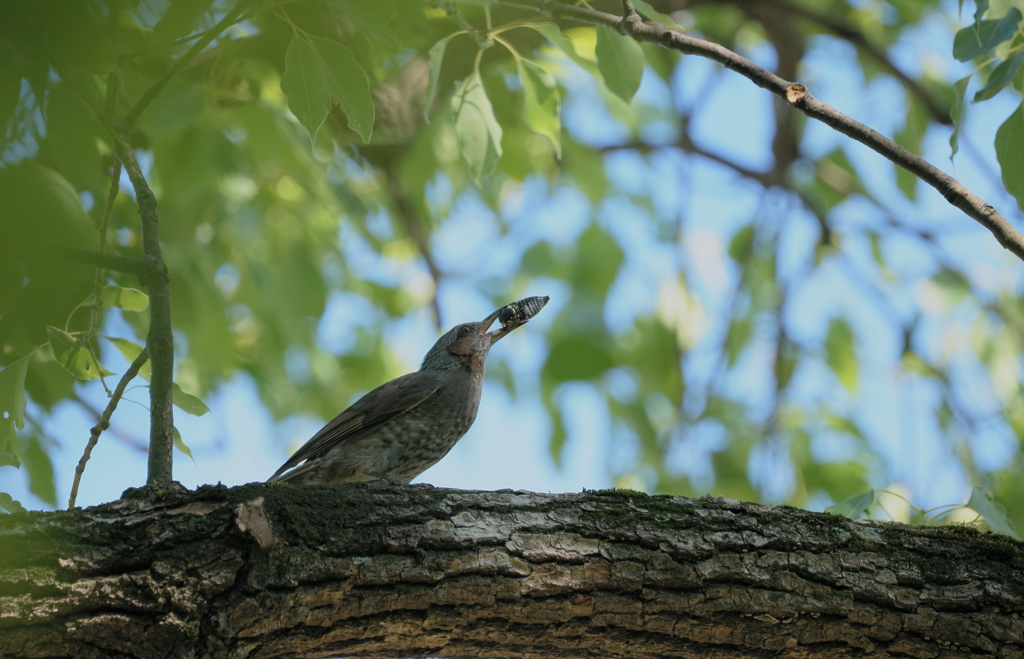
(476, 127)
(296, 177)
(319, 72)
(621, 62)
(1010, 152)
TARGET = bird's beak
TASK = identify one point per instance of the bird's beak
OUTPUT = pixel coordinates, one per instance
(486, 323)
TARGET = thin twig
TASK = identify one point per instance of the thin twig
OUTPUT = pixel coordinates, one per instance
(800, 98)
(101, 275)
(104, 422)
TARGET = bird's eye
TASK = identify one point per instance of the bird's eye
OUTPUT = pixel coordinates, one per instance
(465, 330)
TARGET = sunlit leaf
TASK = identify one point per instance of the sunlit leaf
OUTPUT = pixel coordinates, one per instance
(840, 353)
(621, 62)
(129, 299)
(983, 503)
(1010, 153)
(73, 356)
(554, 35)
(189, 403)
(478, 131)
(541, 103)
(855, 506)
(319, 72)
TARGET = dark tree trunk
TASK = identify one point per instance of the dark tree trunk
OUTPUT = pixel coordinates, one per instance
(378, 570)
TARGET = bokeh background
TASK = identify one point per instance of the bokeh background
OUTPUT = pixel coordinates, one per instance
(743, 302)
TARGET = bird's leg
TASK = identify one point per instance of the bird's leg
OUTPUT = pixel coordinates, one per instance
(387, 478)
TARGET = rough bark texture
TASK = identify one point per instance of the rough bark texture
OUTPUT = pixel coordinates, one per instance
(380, 570)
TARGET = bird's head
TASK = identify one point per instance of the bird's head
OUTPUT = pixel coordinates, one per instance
(466, 346)
(463, 346)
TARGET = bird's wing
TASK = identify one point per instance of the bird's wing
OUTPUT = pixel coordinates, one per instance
(368, 413)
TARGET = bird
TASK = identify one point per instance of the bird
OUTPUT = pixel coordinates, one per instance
(403, 427)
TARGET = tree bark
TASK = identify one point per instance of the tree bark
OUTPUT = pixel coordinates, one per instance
(409, 571)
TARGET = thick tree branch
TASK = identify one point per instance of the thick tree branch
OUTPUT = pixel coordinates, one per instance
(799, 97)
(379, 570)
(160, 340)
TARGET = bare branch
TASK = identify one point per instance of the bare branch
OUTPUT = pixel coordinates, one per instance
(104, 422)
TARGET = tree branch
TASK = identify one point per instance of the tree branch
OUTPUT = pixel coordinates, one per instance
(160, 340)
(800, 98)
(936, 109)
(376, 570)
(104, 422)
(106, 261)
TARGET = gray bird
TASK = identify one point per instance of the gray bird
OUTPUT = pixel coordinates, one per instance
(405, 426)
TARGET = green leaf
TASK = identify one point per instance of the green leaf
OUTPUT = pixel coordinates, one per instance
(40, 471)
(840, 354)
(855, 506)
(541, 103)
(478, 131)
(436, 58)
(909, 137)
(576, 358)
(9, 504)
(956, 113)
(130, 351)
(129, 299)
(554, 35)
(621, 62)
(737, 337)
(73, 356)
(318, 72)
(180, 444)
(12, 392)
(983, 503)
(954, 283)
(1000, 76)
(187, 402)
(980, 7)
(979, 39)
(1010, 153)
(650, 12)
(741, 247)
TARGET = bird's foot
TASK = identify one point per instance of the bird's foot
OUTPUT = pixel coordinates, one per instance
(387, 478)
